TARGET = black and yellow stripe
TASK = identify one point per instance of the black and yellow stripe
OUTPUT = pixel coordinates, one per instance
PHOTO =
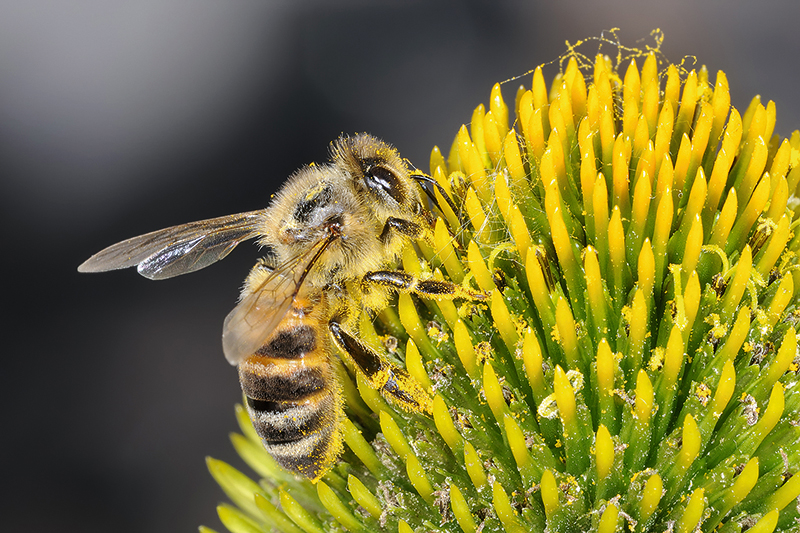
(294, 400)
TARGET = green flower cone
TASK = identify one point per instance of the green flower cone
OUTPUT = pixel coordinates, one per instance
(635, 368)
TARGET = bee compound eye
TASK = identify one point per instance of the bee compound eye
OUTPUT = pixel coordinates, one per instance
(384, 180)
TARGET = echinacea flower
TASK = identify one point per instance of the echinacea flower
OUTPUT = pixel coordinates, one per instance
(635, 367)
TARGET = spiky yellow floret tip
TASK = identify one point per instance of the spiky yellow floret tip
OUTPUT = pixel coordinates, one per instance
(635, 365)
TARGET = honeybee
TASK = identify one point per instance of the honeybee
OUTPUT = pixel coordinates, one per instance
(332, 235)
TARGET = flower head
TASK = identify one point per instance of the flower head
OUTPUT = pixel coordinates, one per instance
(636, 364)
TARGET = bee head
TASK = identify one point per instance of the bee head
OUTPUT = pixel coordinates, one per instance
(378, 171)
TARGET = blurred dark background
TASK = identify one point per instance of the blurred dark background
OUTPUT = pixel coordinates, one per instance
(118, 118)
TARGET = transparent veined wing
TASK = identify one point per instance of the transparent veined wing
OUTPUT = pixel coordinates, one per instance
(253, 321)
(178, 249)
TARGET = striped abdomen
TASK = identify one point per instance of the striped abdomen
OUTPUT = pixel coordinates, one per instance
(293, 397)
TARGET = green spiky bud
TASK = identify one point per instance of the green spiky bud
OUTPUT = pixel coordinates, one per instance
(635, 367)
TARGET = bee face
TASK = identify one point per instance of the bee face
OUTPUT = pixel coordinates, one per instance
(377, 170)
(329, 231)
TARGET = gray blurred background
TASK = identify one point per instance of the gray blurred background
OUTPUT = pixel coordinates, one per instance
(118, 118)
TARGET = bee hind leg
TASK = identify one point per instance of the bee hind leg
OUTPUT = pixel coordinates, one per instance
(394, 383)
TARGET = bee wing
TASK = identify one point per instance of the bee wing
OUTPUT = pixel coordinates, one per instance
(251, 323)
(179, 249)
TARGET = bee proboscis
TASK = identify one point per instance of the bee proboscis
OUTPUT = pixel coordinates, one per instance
(332, 235)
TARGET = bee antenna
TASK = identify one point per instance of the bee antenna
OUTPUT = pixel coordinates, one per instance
(424, 177)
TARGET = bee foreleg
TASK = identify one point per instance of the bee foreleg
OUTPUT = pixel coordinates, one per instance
(426, 288)
(391, 381)
(405, 227)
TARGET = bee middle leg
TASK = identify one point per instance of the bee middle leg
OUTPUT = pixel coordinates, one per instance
(391, 381)
(426, 288)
